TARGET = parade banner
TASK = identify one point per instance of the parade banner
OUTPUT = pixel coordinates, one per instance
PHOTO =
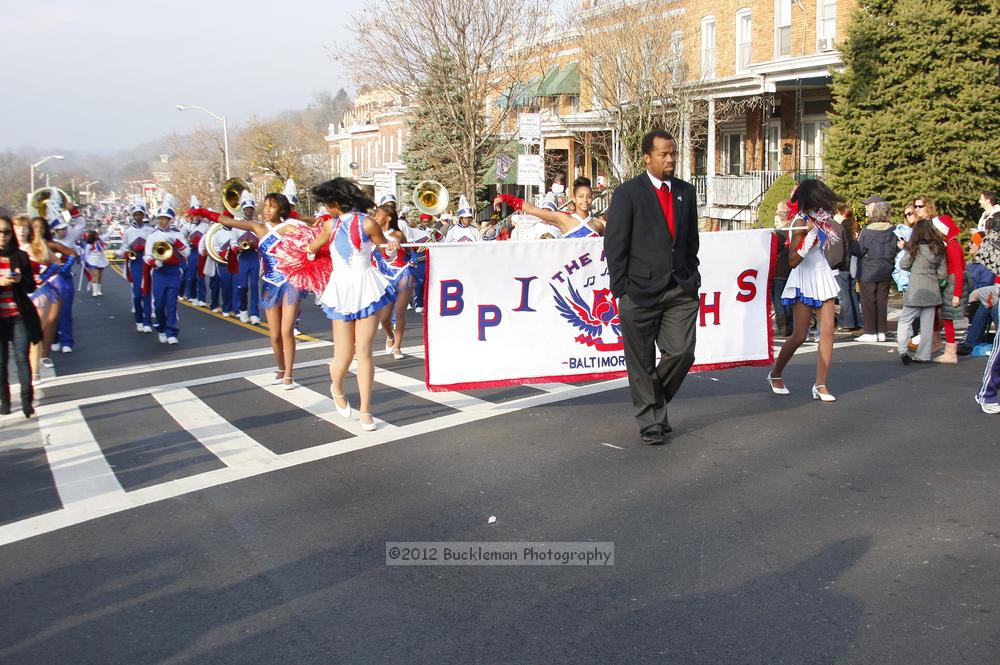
(507, 313)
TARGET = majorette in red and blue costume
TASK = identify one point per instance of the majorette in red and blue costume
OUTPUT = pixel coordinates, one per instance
(813, 281)
(278, 291)
(356, 288)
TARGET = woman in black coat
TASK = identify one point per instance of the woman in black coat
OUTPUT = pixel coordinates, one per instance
(19, 322)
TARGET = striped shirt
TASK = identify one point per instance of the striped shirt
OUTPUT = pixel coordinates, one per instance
(8, 307)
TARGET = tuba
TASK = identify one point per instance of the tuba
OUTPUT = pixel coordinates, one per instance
(232, 191)
(162, 250)
(430, 197)
(209, 241)
(38, 199)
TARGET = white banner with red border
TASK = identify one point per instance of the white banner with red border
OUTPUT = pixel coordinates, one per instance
(508, 313)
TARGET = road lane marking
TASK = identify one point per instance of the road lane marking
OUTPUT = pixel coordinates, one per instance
(233, 448)
(85, 511)
(80, 470)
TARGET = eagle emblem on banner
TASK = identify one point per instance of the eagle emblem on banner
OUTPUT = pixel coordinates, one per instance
(597, 320)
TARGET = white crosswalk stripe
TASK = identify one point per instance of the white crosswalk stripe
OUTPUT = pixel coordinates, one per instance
(88, 486)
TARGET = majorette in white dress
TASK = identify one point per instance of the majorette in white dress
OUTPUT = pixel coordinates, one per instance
(813, 281)
(581, 230)
(356, 288)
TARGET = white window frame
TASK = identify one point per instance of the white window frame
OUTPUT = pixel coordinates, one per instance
(826, 26)
(774, 145)
(822, 123)
(744, 45)
(727, 135)
(708, 51)
(783, 7)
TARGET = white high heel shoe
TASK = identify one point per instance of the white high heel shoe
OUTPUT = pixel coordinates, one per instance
(774, 389)
(279, 377)
(367, 427)
(345, 412)
(823, 397)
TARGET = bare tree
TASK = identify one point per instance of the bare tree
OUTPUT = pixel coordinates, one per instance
(282, 148)
(634, 69)
(197, 166)
(482, 45)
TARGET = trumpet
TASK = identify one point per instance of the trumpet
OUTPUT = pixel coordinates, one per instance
(245, 245)
(430, 197)
(130, 255)
(162, 250)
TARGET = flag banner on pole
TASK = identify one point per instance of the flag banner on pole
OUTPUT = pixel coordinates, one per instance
(508, 313)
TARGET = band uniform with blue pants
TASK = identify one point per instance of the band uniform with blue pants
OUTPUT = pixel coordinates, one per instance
(166, 272)
(136, 269)
(246, 282)
(194, 276)
(69, 235)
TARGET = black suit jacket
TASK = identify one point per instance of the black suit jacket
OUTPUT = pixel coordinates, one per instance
(642, 257)
(19, 261)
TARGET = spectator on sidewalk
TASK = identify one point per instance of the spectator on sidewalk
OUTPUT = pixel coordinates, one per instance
(782, 312)
(924, 257)
(876, 253)
(977, 277)
(987, 396)
(990, 219)
(850, 305)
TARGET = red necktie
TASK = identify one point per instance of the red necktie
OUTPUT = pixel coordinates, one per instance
(667, 205)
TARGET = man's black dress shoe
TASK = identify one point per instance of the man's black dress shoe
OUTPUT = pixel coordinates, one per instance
(652, 437)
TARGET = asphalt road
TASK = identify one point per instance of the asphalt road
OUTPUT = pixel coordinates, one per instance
(769, 530)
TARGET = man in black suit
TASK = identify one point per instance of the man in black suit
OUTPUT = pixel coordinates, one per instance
(651, 242)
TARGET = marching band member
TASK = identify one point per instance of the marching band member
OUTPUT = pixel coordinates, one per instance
(420, 233)
(464, 231)
(576, 224)
(398, 267)
(166, 272)
(245, 283)
(136, 270)
(281, 299)
(94, 261)
(194, 276)
(357, 293)
(69, 235)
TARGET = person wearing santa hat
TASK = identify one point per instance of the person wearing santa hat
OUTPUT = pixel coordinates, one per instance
(194, 275)
(464, 231)
(166, 273)
(136, 271)
(246, 285)
(951, 304)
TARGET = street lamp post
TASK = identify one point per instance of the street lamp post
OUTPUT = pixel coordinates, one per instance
(225, 130)
(36, 165)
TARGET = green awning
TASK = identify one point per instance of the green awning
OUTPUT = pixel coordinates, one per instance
(566, 82)
(548, 80)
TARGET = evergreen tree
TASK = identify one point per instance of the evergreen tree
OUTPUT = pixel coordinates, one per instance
(917, 107)
(430, 146)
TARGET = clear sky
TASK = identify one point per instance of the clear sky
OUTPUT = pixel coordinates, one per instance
(107, 74)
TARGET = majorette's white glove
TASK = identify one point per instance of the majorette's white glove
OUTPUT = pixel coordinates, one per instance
(807, 243)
